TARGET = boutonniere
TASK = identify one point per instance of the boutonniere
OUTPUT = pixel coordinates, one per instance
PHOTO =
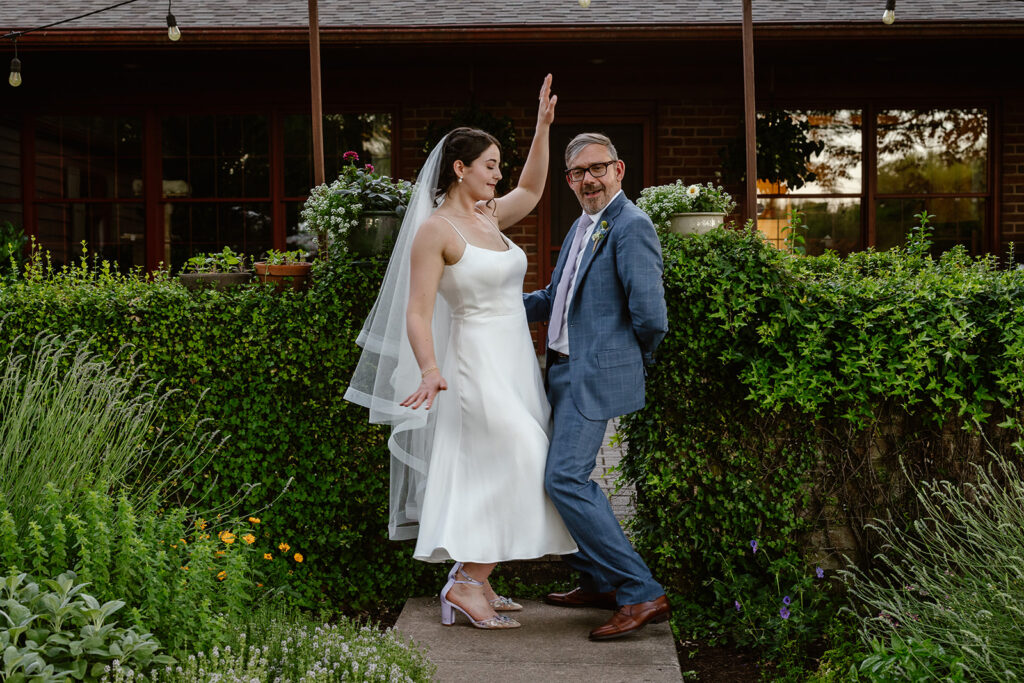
(599, 234)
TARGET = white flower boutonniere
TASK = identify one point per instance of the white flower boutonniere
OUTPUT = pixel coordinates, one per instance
(599, 234)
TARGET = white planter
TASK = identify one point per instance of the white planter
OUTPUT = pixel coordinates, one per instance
(694, 223)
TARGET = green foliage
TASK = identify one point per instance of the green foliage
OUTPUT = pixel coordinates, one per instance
(273, 257)
(909, 659)
(788, 390)
(80, 420)
(184, 579)
(270, 370)
(12, 251)
(224, 261)
(65, 633)
(276, 647)
(795, 233)
(951, 585)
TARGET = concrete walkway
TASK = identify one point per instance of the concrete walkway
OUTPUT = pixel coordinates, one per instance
(552, 645)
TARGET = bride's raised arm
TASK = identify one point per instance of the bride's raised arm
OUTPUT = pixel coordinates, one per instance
(514, 206)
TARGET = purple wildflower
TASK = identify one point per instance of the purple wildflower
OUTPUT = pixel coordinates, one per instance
(784, 613)
(737, 604)
(753, 546)
(786, 600)
(820, 572)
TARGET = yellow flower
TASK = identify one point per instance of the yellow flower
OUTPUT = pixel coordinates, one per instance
(267, 556)
(219, 553)
(226, 536)
(204, 537)
(298, 557)
(221, 575)
(201, 523)
(254, 520)
(284, 547)
(249, 538)
(183, 541)
(184, 569)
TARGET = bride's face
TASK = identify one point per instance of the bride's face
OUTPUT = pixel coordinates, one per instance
(480, 178)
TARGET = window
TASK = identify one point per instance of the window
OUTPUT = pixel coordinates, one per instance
(369, 135)
(927, 159)
(216, 185)
(88, 178)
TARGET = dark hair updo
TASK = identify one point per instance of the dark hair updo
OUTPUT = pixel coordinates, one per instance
(465, 145)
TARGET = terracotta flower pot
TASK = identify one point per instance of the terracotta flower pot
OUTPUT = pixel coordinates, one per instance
(293, 276)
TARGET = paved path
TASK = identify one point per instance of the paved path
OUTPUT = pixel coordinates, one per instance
(552, 645)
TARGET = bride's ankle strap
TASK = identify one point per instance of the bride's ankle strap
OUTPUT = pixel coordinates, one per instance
(469, 579)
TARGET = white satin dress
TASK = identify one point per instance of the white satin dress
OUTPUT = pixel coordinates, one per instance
(485, 499)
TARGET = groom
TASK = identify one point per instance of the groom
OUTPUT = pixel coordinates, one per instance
(606, 311)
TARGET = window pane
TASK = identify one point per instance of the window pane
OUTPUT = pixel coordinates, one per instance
(10, 159)
(932, 151)
(222, 156)
(832, 223)
(956, 221)
(837, 168)
(369, 135)
(198, 228)
(116, 232)
(88, 157)
(11, 213)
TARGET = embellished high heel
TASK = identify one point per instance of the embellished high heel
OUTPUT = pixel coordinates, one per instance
(500, 603)
(448, 608)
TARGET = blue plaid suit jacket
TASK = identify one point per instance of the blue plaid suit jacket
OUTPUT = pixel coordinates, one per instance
(617, 315)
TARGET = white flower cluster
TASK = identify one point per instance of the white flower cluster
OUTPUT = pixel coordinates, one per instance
(326, 210)
(302, 653)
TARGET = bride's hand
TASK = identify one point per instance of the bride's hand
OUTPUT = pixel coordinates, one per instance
(430, 387)
(546, 110)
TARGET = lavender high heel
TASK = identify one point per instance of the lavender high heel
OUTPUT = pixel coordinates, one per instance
(448, 608)
(500, 603)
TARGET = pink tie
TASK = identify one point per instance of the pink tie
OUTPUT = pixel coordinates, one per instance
(568, 273)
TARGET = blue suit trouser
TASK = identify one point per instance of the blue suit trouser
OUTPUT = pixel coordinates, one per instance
(606, 560)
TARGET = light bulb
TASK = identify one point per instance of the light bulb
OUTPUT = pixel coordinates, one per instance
(584, 4)
(888, 16)
(15, 78)
(173, 32)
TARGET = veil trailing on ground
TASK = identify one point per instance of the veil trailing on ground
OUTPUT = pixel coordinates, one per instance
(387, 371)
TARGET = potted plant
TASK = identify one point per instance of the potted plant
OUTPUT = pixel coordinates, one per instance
(360, 211)
(284, 269)
(220, 270)
(686, 209)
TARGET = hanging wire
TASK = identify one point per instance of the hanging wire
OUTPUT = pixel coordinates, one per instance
(17, 34)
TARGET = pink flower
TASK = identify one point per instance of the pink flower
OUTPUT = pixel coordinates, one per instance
(369, 168)
(350, 156)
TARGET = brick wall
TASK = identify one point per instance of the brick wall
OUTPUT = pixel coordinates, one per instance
(1012, 205)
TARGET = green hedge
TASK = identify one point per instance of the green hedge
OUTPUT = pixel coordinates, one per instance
(789, 393)
(270, 371)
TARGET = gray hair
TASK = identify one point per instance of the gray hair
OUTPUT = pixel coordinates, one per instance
(577, 144)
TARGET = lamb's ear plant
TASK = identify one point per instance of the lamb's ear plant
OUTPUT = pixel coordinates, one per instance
(952, 585)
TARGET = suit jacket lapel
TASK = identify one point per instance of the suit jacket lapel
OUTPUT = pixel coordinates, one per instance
(591, 249)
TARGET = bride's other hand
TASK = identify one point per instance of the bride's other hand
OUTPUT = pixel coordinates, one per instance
(430, 387)
(546, 110)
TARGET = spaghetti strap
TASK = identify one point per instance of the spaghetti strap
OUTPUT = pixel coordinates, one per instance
(455, 229)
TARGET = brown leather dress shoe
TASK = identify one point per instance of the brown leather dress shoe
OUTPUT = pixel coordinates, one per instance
(632, 618)
(578, 597)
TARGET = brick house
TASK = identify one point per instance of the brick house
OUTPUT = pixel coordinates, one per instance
(151, 150)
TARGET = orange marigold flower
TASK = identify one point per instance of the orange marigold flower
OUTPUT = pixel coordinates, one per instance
(259, 585)
(267, 556)
(221, 575)
(219, 553)
(204, 537)
(249, 538)
(201, 523)
(183, 541)
(254, 520)
(284, 547)
(298, 557)
(226, 536)
(184, 568)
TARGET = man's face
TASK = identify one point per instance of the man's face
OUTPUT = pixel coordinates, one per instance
(595, 193)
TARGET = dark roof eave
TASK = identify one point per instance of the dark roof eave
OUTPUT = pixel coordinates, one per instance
(369, 35)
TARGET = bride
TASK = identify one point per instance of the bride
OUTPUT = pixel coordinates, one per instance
(469, 443)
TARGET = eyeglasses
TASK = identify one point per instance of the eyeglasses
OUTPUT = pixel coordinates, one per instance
(575, 175)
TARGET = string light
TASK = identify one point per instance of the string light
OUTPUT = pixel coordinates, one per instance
(15, 78)
(173, 32)
(889, 15)
(584, 3)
